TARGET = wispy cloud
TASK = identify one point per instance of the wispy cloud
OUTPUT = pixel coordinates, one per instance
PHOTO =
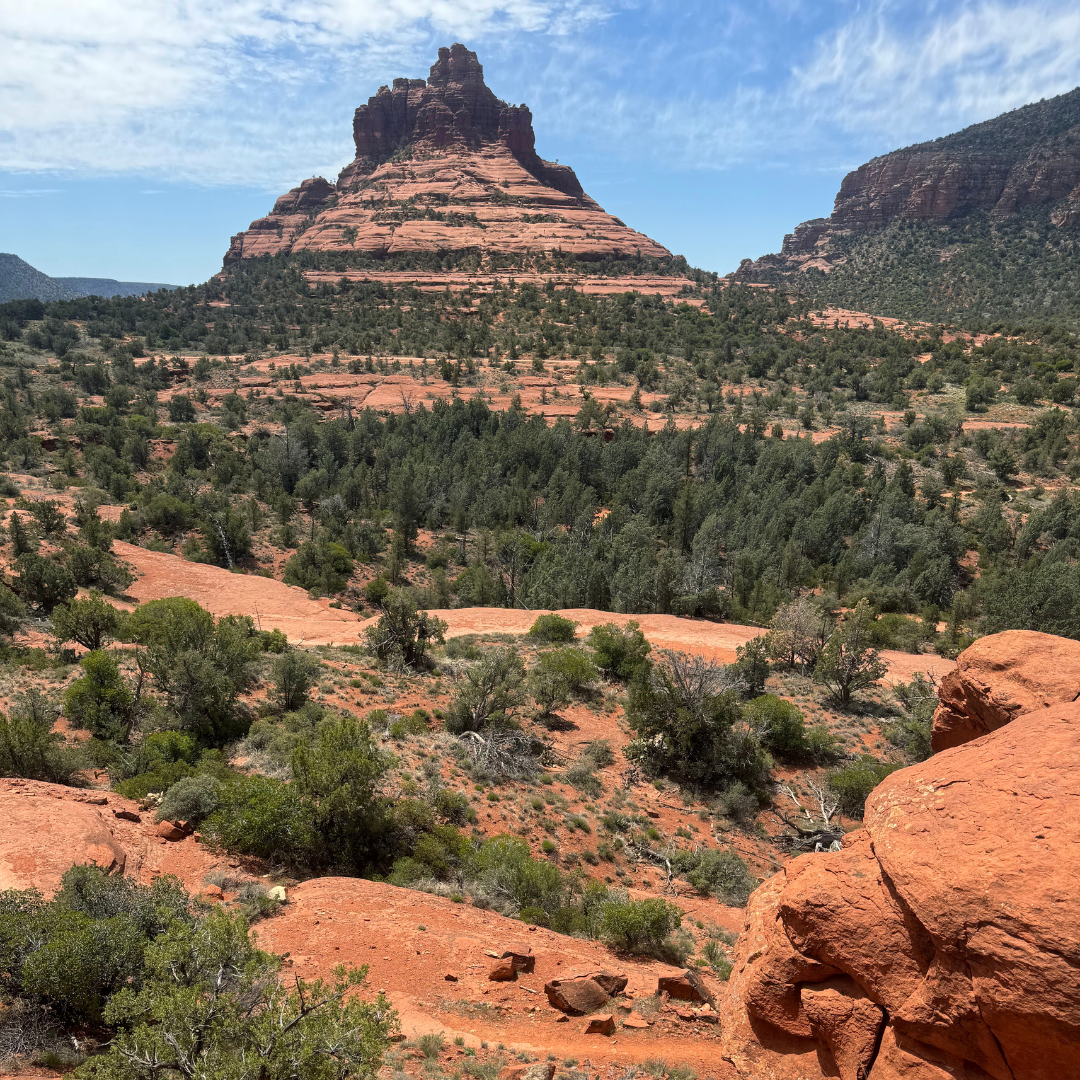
(823, 86)
(262, 91)
(217, 90)
(27, 193)
(890, 70)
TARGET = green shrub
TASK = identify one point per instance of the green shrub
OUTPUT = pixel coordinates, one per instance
(338, 774)
(453, 806)
(403, 634)
(641, 927)
(266, 818)
(463, 648)
(853, 783)
(253, 1023)
(43, 581)
(29, 749)
(783, 732)
(89, 621)
(722, 871)
(619, 652)
(191, 799)
(489, 694)
(200, 665)
(508, 872)
(95, 567)
(158, 762)
(292, 677)
(101, 700)
(552, 629)
(559, 676)
(716, 959)
(75, 951)
(683, 713)
(739, 802)
(911, 733)
(322, 567)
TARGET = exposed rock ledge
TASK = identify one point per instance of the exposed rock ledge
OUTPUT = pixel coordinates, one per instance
(943, 940)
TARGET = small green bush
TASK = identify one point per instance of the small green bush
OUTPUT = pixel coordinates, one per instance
(321, 567)
(552, 629)
(292, 677)
(559, 676)
(642, 927)
(853, 783)
(784, 733)
(490, 692)
(722, 871)
(619, 652)
(101, 700)
(266, 818)
(29, 749)
(192, 799)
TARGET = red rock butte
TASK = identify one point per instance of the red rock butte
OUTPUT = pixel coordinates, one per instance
(443, 166)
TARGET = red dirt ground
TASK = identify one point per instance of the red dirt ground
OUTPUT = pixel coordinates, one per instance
(412, 941)
(313, 622)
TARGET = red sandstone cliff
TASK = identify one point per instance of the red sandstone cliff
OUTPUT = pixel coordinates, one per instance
(443, 166)
(1023, 159)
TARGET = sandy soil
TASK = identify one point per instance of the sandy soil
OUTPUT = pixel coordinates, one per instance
(413, 941)
(274, 604)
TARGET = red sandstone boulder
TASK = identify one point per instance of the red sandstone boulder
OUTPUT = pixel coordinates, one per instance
(42, 836)
(503, 971)
(521, 957)
(601, 1025)
(1001, 677)
(584, 993)
(943, 940)
(679, 987)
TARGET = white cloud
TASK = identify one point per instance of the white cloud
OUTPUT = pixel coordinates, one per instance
(262, 91)
(888, 71)
(780, 85)
(221, 90)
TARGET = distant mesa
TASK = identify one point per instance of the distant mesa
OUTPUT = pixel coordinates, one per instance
(21, 281)
(1026, 158)
(984, 220)
(443, 166)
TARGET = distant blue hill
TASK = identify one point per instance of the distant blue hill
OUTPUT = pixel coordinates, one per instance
(20, 281)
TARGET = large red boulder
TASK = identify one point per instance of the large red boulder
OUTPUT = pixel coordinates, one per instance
(1001, 677)
(43, 834)
(943, 940)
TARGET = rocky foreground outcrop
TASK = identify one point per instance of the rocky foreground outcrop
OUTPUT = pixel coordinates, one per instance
(1026, 158)
(943, 940)
(443, 166)
(1001, 677)
(45, 829)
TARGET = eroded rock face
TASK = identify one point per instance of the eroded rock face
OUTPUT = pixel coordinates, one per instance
(943, 940)
(443, 166)
(1029, 157)
(44, 836)
(1000, 677)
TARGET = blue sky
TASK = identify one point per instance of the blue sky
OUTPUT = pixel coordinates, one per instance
(137, 135)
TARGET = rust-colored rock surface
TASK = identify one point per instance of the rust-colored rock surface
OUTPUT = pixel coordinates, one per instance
(952, 918)
(443, 166)
(41, 837)
(1000, 677)
(584, 993)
